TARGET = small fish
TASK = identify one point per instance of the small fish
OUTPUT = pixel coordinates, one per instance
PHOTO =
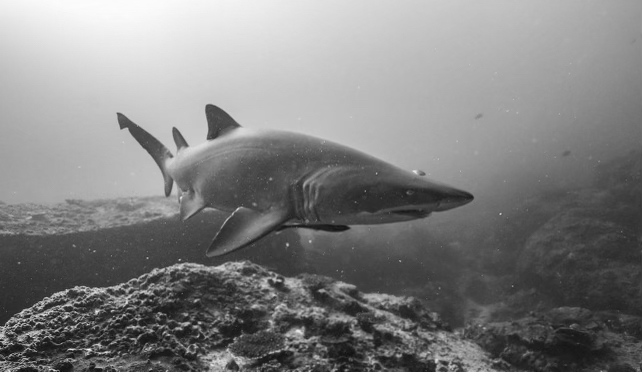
(479, 116)
(566, 153)
(269, 180)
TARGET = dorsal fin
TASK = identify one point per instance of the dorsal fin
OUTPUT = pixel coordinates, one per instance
(218, 121)
(178, 139)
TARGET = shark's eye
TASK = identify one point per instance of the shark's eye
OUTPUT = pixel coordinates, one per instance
(410, 192)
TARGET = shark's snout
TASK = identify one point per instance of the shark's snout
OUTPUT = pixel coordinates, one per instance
(453, 198)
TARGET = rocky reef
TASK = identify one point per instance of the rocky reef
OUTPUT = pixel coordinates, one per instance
(563, 247)
(564, 339)
(558, 283)
(236, 316)
(588, 253)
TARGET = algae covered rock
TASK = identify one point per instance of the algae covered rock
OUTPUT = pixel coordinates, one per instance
(190, 317)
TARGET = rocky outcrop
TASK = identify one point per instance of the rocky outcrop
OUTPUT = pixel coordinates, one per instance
(588, 254)
(564, 339)
(562, 247)
(582, 259)
(237, 316)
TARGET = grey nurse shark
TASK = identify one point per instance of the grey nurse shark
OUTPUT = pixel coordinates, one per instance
(270, 180)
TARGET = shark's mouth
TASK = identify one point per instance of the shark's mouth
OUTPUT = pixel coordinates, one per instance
(412, 213)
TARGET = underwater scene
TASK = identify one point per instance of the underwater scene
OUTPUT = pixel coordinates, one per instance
(321, 186)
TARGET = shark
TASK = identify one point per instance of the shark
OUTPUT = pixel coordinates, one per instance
(270, 180)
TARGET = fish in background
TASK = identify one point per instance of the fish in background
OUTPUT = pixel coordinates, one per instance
(270, 180)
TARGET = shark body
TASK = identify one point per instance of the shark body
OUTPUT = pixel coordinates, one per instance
(270, 180)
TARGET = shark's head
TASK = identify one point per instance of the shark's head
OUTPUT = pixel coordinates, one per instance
(392, 195)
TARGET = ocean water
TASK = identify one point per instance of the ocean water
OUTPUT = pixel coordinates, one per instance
(533, 107)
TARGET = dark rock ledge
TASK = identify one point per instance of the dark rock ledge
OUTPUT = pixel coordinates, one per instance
(97, 243)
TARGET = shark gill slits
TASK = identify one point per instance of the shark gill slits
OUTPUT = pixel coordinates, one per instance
(419, 172)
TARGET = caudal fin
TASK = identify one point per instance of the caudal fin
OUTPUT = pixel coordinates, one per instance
(157, 150)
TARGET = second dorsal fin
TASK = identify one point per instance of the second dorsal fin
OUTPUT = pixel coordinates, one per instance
(218, 121)
(178, 139)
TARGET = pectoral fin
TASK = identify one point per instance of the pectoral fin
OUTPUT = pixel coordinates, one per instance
(244, 227)
(191, 203)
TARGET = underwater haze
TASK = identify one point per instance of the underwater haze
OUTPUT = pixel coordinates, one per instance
(534, 107)
(499, 98)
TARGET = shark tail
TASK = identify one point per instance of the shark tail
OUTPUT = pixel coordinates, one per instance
(157, 150)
